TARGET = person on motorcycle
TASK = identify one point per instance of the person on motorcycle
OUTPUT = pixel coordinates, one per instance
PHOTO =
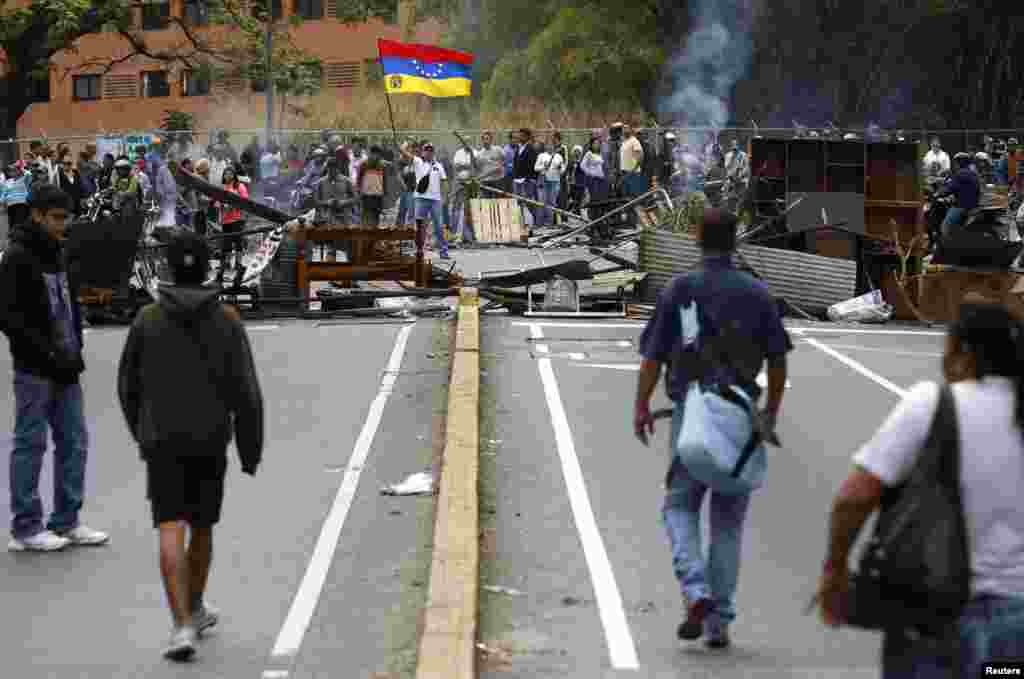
(127, 194)
(967, 189)
(936, 161)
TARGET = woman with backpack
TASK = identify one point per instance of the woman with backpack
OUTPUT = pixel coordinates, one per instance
(984, 364)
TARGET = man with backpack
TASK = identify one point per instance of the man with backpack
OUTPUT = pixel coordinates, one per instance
(183, 413)
(713, 328)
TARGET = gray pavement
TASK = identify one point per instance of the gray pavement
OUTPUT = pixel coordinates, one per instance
(101, 613)
(555, 627)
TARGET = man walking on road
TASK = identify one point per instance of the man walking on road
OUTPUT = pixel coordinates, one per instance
(181, 413)
(725, 308)
(39, 313)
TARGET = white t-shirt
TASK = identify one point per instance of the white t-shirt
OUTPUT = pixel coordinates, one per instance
(991, 471)
(942, 158)
(436, 172)
(550, 166)
(270, 165)
(463, 164)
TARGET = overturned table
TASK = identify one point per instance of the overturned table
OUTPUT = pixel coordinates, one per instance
(362, 265)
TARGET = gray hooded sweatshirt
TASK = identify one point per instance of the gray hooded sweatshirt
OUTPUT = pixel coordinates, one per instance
(187, 379)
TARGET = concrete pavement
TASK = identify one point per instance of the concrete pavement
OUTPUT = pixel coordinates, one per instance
(607, 605)
(101, 613)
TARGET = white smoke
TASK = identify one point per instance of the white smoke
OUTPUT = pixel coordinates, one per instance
(717, 54)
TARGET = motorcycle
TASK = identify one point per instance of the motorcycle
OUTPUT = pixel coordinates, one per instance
(986, 219)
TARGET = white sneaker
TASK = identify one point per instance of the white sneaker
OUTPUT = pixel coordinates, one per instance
(85, 536)
(40, 542)
(182, 645)
(205, 618)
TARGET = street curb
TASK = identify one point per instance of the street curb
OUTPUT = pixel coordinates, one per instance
(448, 645)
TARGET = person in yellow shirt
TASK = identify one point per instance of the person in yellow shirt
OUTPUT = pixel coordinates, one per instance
(631, 162)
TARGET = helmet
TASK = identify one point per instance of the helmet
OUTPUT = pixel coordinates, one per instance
(982, 157)
(123, 162)
(962, 157)
(319, 151)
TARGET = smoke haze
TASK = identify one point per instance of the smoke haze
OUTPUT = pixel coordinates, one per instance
(716, 56)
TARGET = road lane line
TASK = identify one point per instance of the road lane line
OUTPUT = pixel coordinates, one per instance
(864, 331)
(857, 366)
(894, 352)
(621, 648)
(306, 598)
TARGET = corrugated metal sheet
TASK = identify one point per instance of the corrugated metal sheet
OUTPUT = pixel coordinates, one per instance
(812, 282)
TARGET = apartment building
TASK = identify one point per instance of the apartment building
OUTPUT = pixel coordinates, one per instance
(84, 98)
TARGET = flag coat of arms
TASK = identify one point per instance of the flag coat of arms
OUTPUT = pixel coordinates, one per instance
(424, 69)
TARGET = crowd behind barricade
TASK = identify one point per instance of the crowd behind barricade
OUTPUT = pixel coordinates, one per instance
(348, 178)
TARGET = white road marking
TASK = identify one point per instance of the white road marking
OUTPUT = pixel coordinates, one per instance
(762, 379)
(621, 647)
(864, 331)
(857, 366)
(301, 613)
(581, 325)
(894, 352)
(275, 674)
(813, 329)
(263, 327)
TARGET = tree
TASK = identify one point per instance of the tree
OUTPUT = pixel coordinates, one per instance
(33, 33)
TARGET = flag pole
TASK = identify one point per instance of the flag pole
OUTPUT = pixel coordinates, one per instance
(387, 96)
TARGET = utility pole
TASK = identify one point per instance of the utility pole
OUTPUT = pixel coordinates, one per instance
(269, 46)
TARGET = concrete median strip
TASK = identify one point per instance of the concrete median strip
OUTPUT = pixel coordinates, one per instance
(448, 645)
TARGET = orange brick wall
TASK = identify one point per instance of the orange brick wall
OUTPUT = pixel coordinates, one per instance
(327, 39)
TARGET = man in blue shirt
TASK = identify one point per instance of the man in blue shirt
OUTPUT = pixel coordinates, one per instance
(718, 305)
(966, 186)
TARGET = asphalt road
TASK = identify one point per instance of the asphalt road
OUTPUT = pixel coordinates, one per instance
(595, 594)
(100, 613)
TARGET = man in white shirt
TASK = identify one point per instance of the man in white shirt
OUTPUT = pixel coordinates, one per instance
(431, 178)
(358, 158)
(936, 161)
(737, 164)
(463, 166)
(631, 162)
(490, 162)
(550, 167)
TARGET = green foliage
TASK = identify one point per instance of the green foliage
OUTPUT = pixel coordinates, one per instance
(178, 126)
(583, 56)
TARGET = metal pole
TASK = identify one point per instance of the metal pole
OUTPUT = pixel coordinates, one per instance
(270, 79)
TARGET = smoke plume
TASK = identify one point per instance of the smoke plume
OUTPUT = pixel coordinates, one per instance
(716, 56)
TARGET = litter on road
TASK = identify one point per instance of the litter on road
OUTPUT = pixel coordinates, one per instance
(416, 484)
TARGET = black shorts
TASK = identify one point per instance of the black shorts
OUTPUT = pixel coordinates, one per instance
(186, 488)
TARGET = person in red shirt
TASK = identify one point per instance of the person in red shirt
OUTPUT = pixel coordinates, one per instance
(232, 222)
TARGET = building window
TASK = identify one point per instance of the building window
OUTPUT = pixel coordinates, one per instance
(85, 87)
(39, 88)
(194, 85)
(155, 15)
(309, 9)
(196, 13)
(155, 84)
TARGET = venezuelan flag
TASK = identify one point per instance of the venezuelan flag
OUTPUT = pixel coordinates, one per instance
(423, 69)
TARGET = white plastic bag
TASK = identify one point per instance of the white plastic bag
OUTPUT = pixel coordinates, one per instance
(869, 308)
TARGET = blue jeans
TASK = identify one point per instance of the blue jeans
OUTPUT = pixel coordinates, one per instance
(39, 402)
(458, 223)
(406, 209)
(634, 184)
(427, 208)
(715, 577)
(990, 628)
(549, 196)
(527, 189)
(955, 217)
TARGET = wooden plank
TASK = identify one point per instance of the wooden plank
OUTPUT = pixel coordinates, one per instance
(448, 646)
(496, 220)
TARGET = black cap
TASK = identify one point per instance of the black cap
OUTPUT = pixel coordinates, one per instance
(189, 258)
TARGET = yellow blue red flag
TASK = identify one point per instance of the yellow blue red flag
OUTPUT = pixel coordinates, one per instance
(424, 69)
